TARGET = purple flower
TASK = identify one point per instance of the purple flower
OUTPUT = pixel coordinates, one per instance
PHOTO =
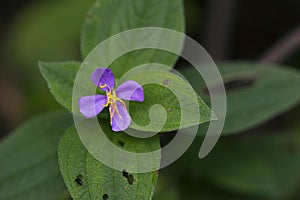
(91, 106)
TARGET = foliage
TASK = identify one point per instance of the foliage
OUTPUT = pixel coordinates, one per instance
(32, 171)
(262, 163)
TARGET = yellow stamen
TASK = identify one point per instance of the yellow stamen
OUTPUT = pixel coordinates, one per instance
(112, 100)
(102, 86)
(117, 111)
(122, 102)
(111, 113)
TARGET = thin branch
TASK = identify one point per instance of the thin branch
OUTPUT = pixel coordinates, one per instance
(220, 19)
(283, 48)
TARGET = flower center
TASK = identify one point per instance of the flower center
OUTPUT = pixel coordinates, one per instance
(112, 100)
(112, 97)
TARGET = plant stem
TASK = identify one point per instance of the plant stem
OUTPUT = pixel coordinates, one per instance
(283, 48)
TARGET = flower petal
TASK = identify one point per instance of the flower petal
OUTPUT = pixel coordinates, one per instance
(102, 76)
(91, 106)
(120, 121)
(130, 90)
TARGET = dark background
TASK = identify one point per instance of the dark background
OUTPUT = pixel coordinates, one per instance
(229, 30)
(49, 30)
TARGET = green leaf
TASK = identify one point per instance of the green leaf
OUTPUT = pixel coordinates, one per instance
(28, 157)
(60, 78)
(96, 179)
(109, 17)
(255, 92)
(265, 165)
(177, 100)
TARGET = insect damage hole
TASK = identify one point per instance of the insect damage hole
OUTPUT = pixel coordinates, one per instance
(234, 84)
(125, 173)
(129, 177)
(240, 82)
(166, 82)
(79, 180)
(121, 143)
(105, 196)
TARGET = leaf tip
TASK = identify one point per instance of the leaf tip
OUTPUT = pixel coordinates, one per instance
(213, 116)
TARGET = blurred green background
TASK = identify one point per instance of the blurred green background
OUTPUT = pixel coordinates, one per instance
(261, 163)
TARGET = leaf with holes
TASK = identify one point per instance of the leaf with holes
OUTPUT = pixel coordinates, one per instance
(87, 178)
(105, 19)
(255, 92)
(29, 168)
